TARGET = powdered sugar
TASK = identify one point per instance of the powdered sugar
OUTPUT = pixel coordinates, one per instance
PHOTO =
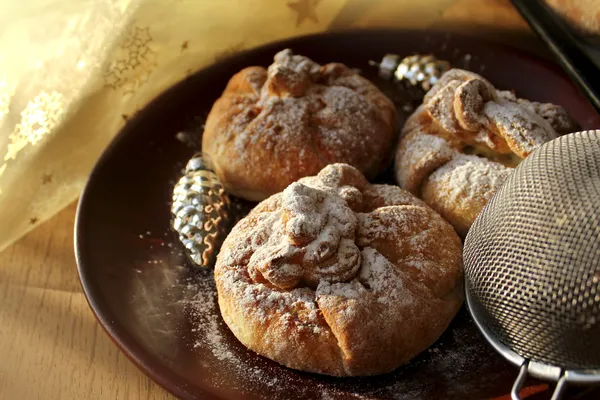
(392, 222)
(206, 319)
(346, 290)
(440, 106)
(378, 274)
(279, 122)
(252, 373)
(424, 147)
(285, 60)
(460, 364)
(346, 111)
(311, 238)
(522, 129)
(325, 114)
(466, 178)
(483, 133)
(310, 210)
(377, 196)
(555, 115)
(420, 151)
(419, 240)
(266, 303)
(469, 108)
(320, 265)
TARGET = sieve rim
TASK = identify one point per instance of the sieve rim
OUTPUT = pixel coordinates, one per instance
(536, 369)
(533, 281)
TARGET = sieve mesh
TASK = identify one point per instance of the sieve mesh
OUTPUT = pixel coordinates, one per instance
(532, 257)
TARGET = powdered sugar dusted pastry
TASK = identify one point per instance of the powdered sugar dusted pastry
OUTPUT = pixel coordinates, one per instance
(340, 277)
(460, 145)
(273, 126)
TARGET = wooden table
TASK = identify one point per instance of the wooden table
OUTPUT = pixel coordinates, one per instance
(51, 346)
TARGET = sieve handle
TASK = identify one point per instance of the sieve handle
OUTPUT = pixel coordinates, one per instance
(560, 388)
(522, 377)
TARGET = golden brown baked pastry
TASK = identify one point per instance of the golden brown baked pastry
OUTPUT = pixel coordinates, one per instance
(271, 127)
(583, 15)
(457, 148)
(340, 277)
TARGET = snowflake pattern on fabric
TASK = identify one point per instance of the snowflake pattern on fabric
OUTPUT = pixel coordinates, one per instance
(41, 115)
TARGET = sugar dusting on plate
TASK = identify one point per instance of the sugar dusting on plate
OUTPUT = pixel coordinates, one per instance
(253, 373)
(458, 361)
(204, 313)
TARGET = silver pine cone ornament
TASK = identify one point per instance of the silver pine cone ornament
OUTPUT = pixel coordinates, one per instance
(418, 70)
(201, 211)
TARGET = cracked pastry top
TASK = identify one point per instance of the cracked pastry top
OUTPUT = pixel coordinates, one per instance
(340, 277)
(272, 126)
(459, 146)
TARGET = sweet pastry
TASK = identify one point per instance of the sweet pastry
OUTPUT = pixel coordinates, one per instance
(273, 126)
(340, 277)
(457, 148)
(583, 15)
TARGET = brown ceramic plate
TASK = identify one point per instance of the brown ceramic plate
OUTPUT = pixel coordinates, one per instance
(163, 314)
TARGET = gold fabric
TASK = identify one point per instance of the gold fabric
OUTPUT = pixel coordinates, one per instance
(73, 71)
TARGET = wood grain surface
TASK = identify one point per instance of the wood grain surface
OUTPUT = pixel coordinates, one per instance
(51, 346)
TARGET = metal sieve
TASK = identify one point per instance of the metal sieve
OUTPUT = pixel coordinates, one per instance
(532, 264)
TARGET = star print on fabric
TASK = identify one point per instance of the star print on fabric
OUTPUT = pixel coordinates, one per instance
(113, 81)
(46, 179)
(133, 62)
(121, 66)
(147, 54)
(140, 37)
(305, 9)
